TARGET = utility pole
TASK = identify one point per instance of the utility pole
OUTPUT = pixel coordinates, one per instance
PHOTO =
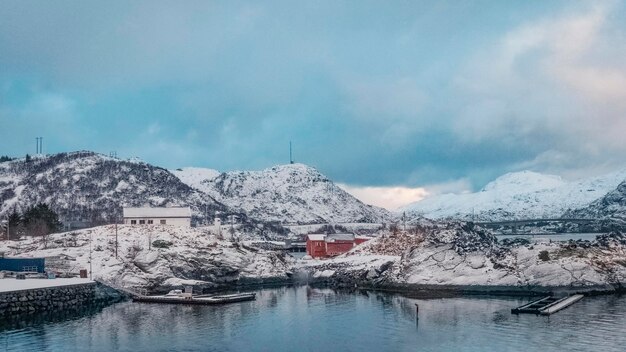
(8, 226)
(116, 238)
(404, 220)
(232, 226)
(39, 147)
(90, 257)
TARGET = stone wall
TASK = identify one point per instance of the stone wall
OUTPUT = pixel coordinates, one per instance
(47, 299)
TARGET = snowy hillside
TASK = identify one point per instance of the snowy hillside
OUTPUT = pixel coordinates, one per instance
(155, 257)
(519, 195)
(612, 205)
(93, 187)
(293, 193)
(194, 176)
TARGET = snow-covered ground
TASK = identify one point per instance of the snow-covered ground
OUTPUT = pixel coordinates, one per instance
(11, 284)
(458, 255)
(186, 254)
(519, 195)
(195, 176)
(160, 257)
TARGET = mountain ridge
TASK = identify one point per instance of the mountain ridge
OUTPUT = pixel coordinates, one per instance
(519, 195)
(295, 192)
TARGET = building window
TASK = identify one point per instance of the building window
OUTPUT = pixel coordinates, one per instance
(163, 222)
(133, 222)
(142, 222)
(149, 222)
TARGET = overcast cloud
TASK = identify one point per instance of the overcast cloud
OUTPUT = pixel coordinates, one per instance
(394, 100)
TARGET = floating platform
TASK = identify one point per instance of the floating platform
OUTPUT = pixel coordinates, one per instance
(547, 305)
(200, 299)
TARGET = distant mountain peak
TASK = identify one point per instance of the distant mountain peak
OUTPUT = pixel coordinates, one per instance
(288, 193)
(524, 194)
(524, 180)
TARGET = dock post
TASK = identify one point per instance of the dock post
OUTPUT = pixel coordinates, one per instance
(417, 315)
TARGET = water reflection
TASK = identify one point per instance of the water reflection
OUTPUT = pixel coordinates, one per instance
(313, 319)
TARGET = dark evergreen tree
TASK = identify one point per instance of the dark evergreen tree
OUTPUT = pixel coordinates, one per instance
(41, 213)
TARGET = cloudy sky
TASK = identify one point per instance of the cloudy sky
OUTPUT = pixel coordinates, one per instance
(395, 100)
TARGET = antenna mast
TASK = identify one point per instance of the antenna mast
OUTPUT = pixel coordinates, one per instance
(290, 154)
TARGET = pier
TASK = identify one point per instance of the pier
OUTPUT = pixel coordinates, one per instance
(37, 295)
(547, 305)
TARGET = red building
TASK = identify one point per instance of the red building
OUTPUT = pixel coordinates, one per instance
(319, 246)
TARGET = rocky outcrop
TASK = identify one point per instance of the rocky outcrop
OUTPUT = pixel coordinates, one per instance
(182, 256)
(463, 258)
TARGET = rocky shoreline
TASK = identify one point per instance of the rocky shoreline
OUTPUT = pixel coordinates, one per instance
(432, 258)
(463, 259)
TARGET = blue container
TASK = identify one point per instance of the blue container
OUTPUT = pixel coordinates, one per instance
(23, 264)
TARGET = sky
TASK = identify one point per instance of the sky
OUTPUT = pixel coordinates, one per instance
(394, 100)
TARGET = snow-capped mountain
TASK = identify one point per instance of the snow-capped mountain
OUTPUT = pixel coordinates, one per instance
(293, 193)
(611, 206)
(519, 195)
(92, 187)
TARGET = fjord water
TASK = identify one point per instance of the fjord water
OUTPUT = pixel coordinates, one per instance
(311, 319)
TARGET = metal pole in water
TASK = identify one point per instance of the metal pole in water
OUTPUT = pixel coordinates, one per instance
(417, 311)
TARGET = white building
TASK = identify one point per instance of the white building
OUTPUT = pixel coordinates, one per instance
(177, 216)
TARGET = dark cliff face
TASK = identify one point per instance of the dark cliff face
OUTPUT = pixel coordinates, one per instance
(92, 187)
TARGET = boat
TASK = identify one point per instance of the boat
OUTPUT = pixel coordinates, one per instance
(179, 297)
(174, 293)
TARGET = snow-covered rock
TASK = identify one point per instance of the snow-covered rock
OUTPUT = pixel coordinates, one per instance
(461, 255)
(155, 257)
(519, 195)
(293, 194)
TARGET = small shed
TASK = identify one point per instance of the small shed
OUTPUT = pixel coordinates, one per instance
(339, 243)
(315, 245)
(322, 245)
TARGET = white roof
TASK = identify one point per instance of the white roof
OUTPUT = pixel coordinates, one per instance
(173, 212)
(316, 237)
(340, 237)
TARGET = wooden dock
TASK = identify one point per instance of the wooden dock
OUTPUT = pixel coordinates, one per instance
(200, 299)
(547, 305)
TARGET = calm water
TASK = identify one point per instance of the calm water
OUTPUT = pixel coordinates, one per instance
(307, 319)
